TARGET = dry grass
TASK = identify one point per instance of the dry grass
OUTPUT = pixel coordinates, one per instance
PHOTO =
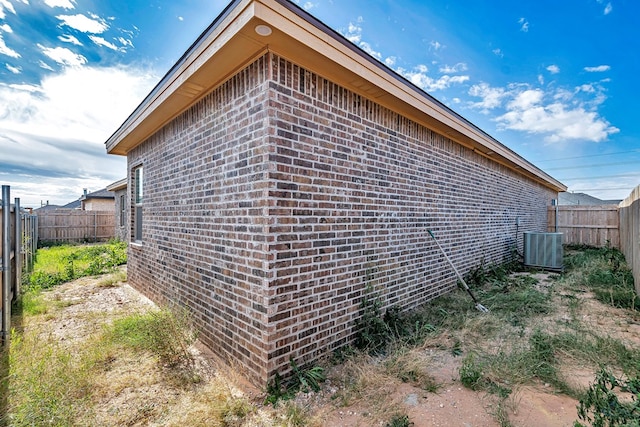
(81, 359)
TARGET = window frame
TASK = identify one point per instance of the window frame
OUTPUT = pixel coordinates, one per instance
(138, 198)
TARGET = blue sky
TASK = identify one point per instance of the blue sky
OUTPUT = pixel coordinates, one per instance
(551, 80)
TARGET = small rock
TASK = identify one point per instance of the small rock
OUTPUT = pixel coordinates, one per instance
(442, 405)
(411, 400)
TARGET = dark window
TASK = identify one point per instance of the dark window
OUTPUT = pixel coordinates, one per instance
(137, 203)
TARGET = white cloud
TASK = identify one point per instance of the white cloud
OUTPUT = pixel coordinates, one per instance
(436, 45)
(367, 48)
(608, 9)
(65, 4)
(57, 129)
(63, 56)
(6, 5)
(125, 42)
(419, 77)
(598, 69)
(553, 69)
(308, 6)
(558, 122)
(586, 88)
(390, 61)
(6, 50)
(81, 23)
(354, 35)
(498, 52)
(45, 66)
(526, 99)
(14, 70)
(540, 79)
(69, 39)
(458, 68)
(524, 25)
(491, 97)
(100, 41)
(6, 28)
(559, 115)
(180, 18)
(100, 99)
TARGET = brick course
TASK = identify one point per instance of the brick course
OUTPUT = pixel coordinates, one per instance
(274, 201)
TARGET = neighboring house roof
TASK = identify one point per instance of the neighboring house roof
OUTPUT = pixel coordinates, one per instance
(72, 205)
(100, 194)
(118, 185)
(565, 198)
(47, 208)
(247, 29)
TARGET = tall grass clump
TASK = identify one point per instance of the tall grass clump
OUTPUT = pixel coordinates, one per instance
(164, 333)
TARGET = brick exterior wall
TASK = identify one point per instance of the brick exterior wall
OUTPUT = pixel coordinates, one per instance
(276, 200)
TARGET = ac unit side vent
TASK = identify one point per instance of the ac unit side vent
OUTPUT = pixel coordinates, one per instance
(543, 250)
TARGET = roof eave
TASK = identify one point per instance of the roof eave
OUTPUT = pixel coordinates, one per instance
(316, 47)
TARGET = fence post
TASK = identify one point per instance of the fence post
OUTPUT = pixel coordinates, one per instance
(35, 239)
(6, 263)
(18, 248)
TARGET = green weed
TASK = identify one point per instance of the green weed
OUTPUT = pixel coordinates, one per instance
(305, 380)
(601, 405)
(399, 421)
(471, 373)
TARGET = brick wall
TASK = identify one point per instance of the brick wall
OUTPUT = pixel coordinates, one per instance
(277, 199)
(205, 217)
(356, 188)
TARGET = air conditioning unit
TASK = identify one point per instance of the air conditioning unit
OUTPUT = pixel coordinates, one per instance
(543, 250)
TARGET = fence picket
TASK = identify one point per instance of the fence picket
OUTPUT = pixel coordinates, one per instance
(68, 225)
(587, 225)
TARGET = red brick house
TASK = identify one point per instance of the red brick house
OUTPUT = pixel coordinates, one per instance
(277, 170)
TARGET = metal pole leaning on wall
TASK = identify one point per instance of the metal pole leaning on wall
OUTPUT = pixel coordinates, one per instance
(6, 263)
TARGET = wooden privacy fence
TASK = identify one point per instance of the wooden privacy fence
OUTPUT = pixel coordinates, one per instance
(69, 225)
(630, 233)
(588, 225)
(18, 242)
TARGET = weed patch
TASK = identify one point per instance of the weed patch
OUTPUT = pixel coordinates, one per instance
(376, 331)
(605, 272)
(305, 380)
(59, 264)
(399, 421)
(163, 333)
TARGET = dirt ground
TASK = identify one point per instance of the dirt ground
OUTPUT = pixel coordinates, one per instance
(86, 305)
